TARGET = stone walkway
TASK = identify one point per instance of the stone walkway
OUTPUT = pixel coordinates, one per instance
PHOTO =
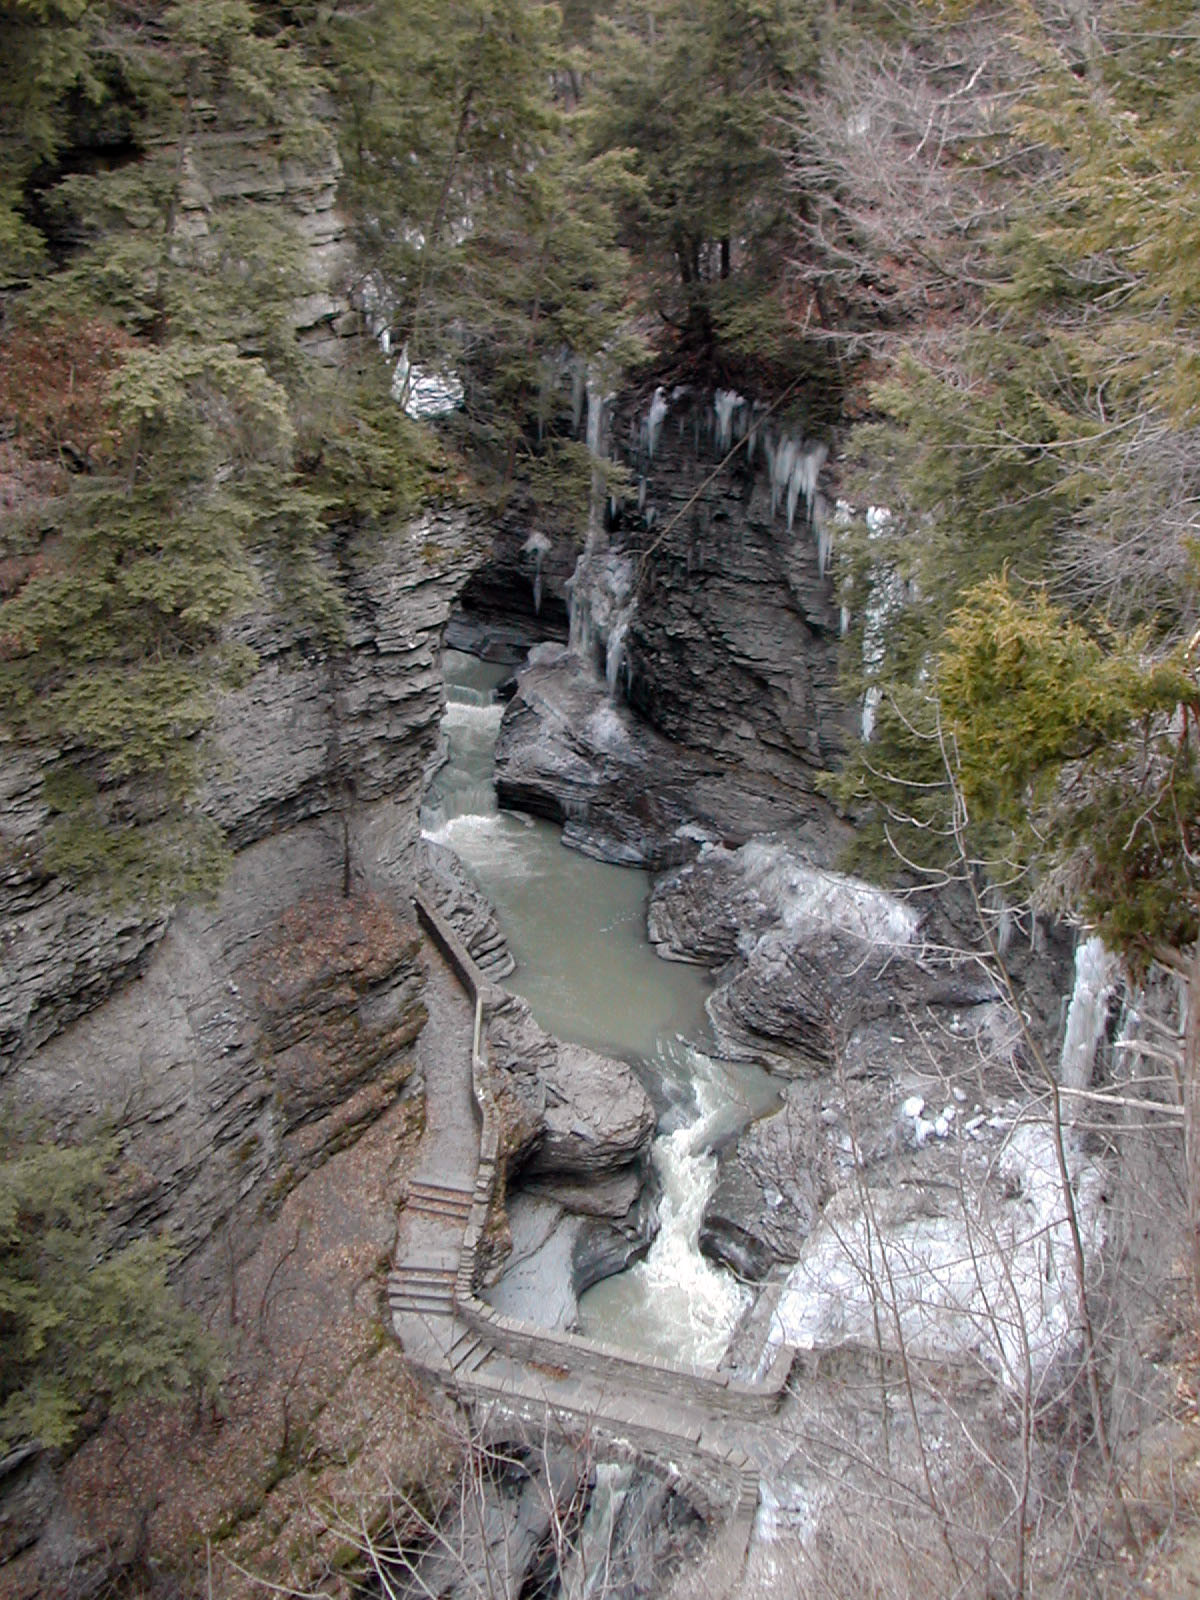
(713, 1431)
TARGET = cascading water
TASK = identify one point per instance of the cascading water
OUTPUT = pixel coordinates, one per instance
(676, 1303)
(577, 929)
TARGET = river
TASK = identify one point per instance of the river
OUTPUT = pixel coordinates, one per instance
(577, 929)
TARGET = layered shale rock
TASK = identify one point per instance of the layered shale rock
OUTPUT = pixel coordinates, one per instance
(620, 791)
(320, 765)
(338, 999)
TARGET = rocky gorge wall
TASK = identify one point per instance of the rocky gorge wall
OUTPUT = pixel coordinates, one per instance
(227, 1084)
(227, 1091)
(702, 600)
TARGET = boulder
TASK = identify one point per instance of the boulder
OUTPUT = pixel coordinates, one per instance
(569, 751)
(584, 1115)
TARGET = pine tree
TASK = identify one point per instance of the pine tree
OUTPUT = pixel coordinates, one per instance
(695, 93)
(81, 1322)
(487, 235)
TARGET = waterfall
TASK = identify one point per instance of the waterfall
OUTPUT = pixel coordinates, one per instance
(597, 409)
(1097, 979)
(681, 1304)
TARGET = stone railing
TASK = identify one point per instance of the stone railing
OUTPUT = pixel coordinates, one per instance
(618, 1369)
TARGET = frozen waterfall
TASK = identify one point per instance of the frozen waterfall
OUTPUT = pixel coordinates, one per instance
(1097, 980)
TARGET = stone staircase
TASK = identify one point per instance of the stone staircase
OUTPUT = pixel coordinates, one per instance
(491, 954)
(419, 1290)
(467, 1354)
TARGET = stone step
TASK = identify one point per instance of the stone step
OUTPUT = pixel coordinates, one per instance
(467, 1339)
(443, 1210)
(438, 1288)
(466, 1359)
(427, 1186)
(452, 1199)
(409, 1307)
(442, 1293)
(428, 1274)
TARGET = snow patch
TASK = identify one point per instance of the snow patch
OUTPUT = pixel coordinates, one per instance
(990, 1275)
(810, 898)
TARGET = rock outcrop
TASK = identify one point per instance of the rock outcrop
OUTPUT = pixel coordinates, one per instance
(580, 1202)
(444, 879)
(621, 792)
(520, 595)
(768, 1193)
(811, 961)
(732, 644)
(338, 999)
(703, 601)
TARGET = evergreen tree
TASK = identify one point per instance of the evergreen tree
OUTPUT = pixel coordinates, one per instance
(80, 1321)
(486, 233)
(176, 312)
(694, 94)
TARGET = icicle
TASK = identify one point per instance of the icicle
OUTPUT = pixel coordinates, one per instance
(1097, 974)
(601, 606)
(782, 468)
(538, 546)
(726, 403)
(652, 426)
(844, 621)
(806, 464)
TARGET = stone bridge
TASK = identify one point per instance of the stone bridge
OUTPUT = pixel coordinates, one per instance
(705, 1426)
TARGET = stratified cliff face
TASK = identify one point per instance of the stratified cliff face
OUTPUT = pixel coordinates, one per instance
(228, 1085)
(732, 640)
(225, 1098)
(703, 601)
